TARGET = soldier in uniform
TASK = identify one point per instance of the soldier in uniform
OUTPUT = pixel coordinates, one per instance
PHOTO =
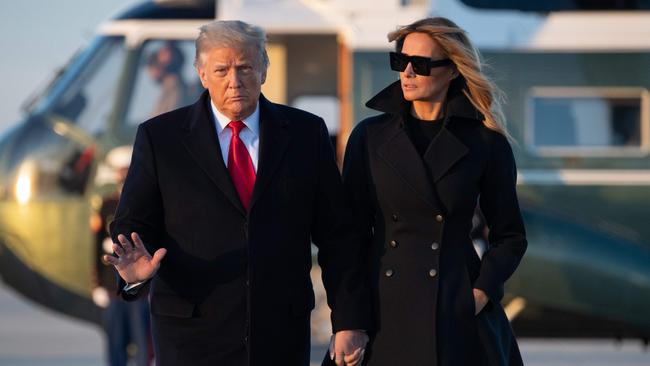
(415, 173)
(126, 323)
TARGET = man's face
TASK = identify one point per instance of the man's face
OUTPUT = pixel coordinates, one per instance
(234, 78)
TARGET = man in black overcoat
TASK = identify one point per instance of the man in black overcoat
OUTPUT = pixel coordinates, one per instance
(220, 206)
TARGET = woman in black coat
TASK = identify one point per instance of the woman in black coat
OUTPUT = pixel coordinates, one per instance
(415, 174)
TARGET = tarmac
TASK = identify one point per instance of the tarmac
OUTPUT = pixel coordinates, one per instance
(32, 335)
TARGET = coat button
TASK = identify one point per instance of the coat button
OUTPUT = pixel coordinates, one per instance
(435, 246)
(394, 217)
(393, 244)
(439, 218)
(433, 273)
(389, 273)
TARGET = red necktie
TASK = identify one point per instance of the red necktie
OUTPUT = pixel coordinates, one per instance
(240, 165)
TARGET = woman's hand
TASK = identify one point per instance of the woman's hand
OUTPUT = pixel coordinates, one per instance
(480, 300)
(347, 347)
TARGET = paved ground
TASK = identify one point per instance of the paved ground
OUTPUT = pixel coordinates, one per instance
(31, 335)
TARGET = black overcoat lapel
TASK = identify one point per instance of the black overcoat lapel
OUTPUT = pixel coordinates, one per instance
(274, 140)
(443, 152)
(399, 154)
(200, 139)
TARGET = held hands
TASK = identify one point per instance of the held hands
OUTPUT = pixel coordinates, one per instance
(347, 347)
(480, 300)
(133, 262)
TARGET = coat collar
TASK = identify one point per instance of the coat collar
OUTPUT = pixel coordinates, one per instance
(274, 141)
(201, 141)
(397, 150)
(391, 100)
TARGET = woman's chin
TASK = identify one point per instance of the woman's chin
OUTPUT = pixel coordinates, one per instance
(410, 96)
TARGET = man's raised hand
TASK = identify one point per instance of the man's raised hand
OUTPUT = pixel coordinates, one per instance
(133, 261)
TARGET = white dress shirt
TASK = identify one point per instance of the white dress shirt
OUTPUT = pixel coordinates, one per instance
(250, 135)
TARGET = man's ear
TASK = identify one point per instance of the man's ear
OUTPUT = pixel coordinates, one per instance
(201, 72)
(263, 76)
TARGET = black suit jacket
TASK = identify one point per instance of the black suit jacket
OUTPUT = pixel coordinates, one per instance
(234, 288)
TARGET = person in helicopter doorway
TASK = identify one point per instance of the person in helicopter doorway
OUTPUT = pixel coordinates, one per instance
(165, 66)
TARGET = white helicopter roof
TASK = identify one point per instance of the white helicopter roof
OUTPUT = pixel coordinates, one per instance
(581, 31)
(364, 24)
(594, 31)
(137, 31)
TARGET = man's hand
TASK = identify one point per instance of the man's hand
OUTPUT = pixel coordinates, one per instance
(347, 347)
(480, 300)
(133, 262)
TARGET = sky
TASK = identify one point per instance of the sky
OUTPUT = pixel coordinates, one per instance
(39, 36)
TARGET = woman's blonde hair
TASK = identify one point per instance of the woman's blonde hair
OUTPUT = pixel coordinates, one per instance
(482, 93)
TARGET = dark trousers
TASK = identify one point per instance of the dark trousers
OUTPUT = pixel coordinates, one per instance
(127, 323)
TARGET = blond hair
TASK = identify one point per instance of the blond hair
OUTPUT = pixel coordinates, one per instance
(482, 93)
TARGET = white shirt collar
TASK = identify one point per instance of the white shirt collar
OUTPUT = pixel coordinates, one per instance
(252, 121)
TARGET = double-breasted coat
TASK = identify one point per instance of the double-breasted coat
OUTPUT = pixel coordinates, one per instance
(234, 287)
(417, 213)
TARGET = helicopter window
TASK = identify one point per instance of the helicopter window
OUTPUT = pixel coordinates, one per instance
(86, 100)
(589, 121)
(166, 79)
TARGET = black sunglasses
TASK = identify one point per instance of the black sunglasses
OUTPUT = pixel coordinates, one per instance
(421, 65)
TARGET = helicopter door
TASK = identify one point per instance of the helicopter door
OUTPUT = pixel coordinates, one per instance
(165, 80)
